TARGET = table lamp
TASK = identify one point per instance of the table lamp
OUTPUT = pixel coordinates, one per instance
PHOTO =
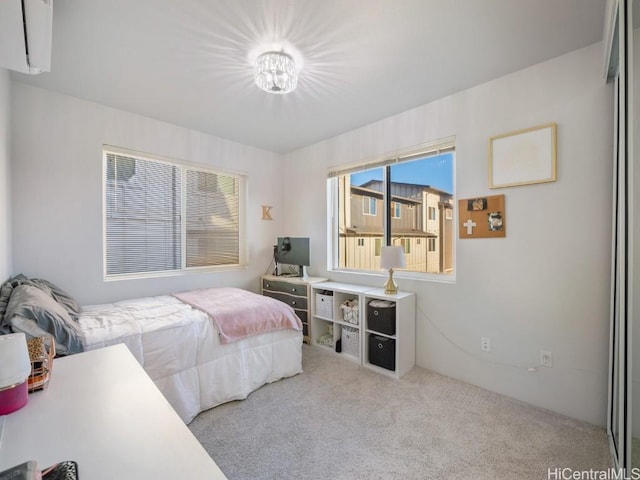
(391, 257)
(15, 368)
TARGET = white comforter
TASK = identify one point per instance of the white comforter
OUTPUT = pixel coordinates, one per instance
(179, 348)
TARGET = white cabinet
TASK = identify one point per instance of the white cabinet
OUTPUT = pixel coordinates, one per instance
(330, 328)
(389, 344)
(380, 337)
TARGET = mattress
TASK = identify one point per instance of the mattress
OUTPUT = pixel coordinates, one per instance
(180, 349)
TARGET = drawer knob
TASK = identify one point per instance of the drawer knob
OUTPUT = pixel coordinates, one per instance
(293, 302)
(268, 285)
(375, 313)
(293, 290)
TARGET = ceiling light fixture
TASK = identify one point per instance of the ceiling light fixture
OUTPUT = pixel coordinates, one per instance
(275, 72)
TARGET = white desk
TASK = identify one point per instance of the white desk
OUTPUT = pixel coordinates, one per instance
(103, 411)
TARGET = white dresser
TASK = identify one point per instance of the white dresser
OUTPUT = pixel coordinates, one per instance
(103, 411)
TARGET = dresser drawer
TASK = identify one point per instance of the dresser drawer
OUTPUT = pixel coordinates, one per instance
(292, 289)
(291, 300)
(302, 315)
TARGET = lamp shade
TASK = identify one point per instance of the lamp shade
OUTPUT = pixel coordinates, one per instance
(392, 257)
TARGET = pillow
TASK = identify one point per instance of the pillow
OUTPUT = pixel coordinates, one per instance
(5, 294)
(60, 296)
(34, 312)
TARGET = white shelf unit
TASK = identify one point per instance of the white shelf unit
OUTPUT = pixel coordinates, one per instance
(328, 322)
(403, 339)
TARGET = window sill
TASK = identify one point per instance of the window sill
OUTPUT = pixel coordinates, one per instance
(400, 275)
(173, 273)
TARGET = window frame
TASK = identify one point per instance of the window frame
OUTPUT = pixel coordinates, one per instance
(438, 147)
(184, 167)
(396, 210)
(377, 247)
(370, 202)
(405, 243)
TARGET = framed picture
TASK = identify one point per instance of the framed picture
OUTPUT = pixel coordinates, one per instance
(523, 157)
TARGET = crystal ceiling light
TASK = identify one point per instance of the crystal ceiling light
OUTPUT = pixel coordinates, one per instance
(275, 72)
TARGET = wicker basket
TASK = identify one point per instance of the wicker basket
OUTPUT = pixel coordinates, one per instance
(41, 353)
(324, 305)
(350, 311)
(350, 341)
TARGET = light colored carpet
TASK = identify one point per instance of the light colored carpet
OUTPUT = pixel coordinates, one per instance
(341, 421)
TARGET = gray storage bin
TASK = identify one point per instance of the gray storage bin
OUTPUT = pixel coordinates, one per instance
(381, 316)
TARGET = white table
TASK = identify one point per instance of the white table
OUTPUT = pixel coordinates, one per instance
(103, 411)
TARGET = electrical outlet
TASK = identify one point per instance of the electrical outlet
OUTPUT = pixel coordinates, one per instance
(546, 359)
(485, 344)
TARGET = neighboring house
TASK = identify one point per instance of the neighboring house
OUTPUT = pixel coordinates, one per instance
(421, 222)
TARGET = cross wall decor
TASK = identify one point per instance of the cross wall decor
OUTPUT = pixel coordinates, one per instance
(482, 217)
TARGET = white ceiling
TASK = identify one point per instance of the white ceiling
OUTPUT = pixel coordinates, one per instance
(189, 62)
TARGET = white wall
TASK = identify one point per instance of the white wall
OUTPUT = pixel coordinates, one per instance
(543, 287)
(57, 192)
(5, 183)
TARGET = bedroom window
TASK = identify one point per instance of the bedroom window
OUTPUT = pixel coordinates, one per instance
(423, 181)
(163, 216)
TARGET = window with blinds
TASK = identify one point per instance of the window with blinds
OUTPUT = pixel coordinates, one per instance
(162, 216)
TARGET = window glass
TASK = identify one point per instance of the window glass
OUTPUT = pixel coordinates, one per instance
(213, 219)
(406, 245)
(369, 206)
(142, 215)
(396, 210)
(415, 201)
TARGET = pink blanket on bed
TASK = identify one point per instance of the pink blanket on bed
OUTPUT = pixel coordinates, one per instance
(239, 313)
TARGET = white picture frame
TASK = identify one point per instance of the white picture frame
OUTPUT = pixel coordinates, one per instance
(523, 157)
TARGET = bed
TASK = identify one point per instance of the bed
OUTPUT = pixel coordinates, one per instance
(198, 360)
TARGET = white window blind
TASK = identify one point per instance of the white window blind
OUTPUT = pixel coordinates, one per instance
(213, 228)
(427, 150)
(143, 215)
(162, 216)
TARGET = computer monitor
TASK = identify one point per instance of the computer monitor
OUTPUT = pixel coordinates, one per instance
(293, 251)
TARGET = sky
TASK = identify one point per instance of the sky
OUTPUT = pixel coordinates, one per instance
(436, 171)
